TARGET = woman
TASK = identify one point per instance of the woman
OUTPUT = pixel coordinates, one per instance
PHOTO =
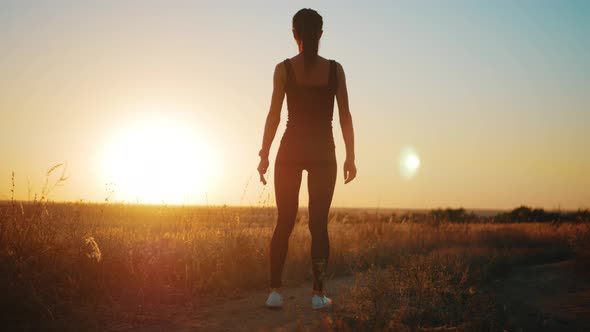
(310, 82)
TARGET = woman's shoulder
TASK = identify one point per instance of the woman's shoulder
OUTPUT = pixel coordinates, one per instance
(337, 63)
(281, 64)
(280, 73)
(339, 68)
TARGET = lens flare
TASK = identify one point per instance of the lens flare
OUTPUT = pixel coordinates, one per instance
(409, 163)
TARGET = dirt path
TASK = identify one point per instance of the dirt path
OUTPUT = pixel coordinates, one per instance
(246, 313)
(546, 297)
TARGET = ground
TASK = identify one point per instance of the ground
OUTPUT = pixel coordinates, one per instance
(544, 297)
(244, 313)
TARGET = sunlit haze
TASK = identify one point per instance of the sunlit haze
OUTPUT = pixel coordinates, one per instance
(472, 104)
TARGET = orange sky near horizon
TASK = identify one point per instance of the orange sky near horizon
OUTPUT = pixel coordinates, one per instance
(473, 105)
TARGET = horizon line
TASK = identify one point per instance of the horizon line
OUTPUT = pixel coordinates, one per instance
(163, 204)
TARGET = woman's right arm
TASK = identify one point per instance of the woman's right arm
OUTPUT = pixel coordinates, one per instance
(273, 118)
(345, 124)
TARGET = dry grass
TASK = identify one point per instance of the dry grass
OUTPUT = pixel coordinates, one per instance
(438, 275)
(580, 242)
(70, 260)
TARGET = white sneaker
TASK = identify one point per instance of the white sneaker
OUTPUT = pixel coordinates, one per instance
(275, 300)
(321, 302)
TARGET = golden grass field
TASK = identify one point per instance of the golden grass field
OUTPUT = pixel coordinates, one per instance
(75, 265)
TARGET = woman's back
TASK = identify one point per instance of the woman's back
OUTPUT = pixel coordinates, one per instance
(317, 75)
(310, 100)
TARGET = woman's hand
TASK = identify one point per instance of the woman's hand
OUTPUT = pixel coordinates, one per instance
(262, 168)
(349, 170)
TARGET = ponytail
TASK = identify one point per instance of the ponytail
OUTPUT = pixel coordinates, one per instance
(308, 27)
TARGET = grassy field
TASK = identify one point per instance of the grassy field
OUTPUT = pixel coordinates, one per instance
(65, 266)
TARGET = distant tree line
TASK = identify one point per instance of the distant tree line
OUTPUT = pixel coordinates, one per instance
(527, 214)
(517, 215)
(454, 215)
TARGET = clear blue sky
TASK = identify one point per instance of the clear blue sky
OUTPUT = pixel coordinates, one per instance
(494, 97)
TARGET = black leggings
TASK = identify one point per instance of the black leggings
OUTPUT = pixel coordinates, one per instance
(321, 179)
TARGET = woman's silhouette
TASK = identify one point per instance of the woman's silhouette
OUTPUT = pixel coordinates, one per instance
(310, 82)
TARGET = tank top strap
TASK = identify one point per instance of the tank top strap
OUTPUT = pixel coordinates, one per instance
(333, 82)
(289, 70)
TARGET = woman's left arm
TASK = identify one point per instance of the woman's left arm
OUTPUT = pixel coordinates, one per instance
(345, 124)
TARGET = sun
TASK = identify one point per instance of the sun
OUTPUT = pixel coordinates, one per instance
(158, 159)
(409, 163)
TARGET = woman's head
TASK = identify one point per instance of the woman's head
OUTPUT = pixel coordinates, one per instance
(307, 30)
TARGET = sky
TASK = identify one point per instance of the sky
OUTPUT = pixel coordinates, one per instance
(165, 101)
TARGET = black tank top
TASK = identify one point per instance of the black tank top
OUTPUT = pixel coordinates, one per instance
(308, 136)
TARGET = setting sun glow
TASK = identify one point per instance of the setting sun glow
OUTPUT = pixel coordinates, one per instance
(157, 159)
